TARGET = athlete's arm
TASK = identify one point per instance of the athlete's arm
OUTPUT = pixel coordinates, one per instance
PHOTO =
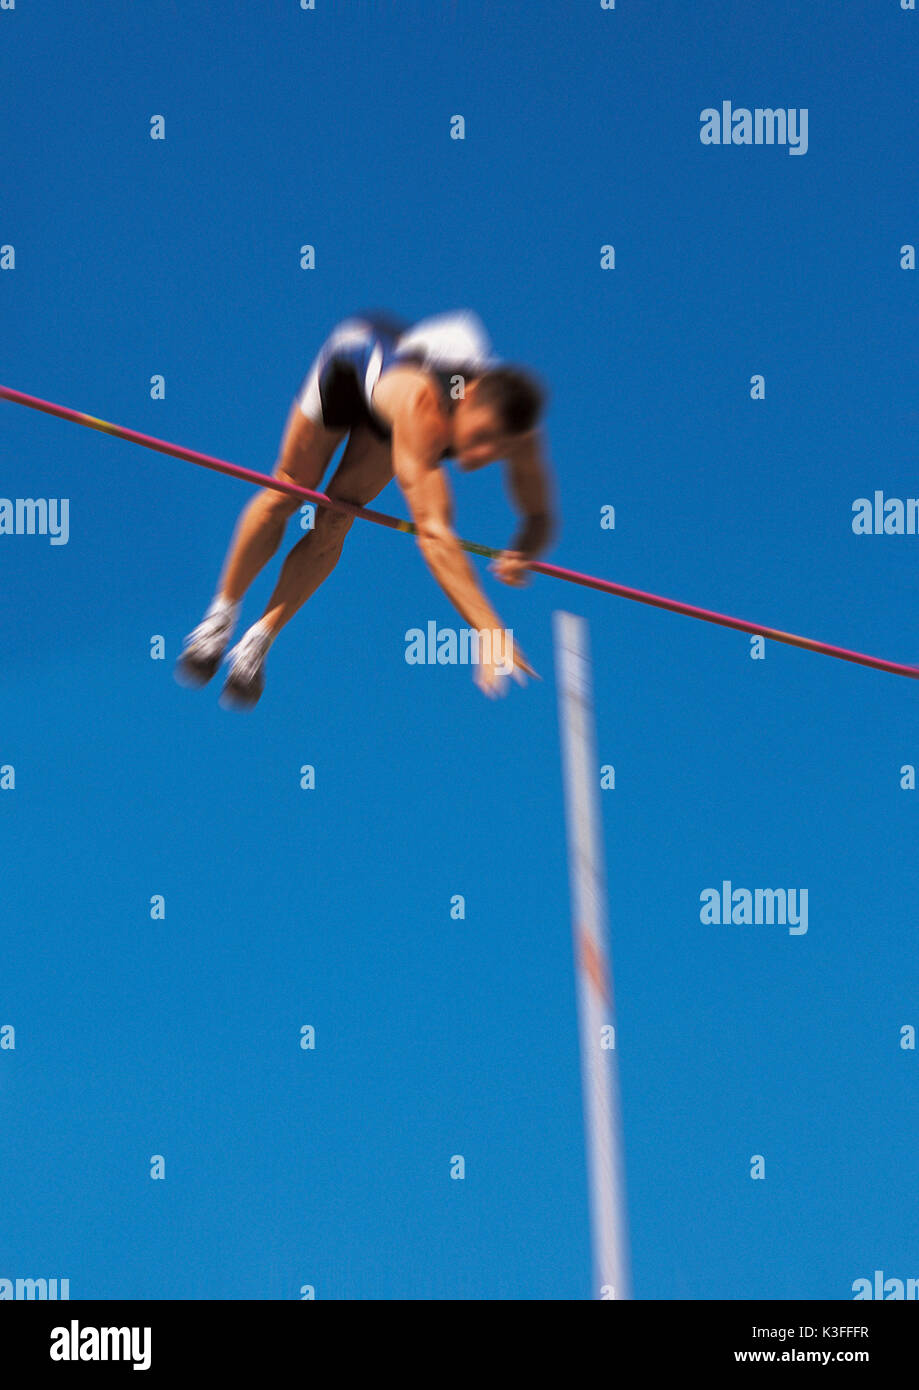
(529, 485)
(527, 480)
(419, 437)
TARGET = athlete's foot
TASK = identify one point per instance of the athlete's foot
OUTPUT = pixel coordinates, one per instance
(246, 681)
(205, 645)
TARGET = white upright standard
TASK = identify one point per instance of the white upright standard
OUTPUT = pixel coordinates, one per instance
(593, 968)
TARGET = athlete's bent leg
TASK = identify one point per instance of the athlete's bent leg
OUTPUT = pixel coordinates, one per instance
(365, 469)
(305, 453)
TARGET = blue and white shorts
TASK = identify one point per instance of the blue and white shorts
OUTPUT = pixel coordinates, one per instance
(337, 390)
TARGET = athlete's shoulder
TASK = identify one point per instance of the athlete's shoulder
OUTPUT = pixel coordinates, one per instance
(407, 400)
(458, 335)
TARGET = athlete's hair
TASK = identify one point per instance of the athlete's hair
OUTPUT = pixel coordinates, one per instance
(517, 395)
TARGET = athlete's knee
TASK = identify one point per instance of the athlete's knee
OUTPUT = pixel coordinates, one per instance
(332, 526)
(283, 503)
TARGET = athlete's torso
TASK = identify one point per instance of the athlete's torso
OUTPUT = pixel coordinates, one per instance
(442, 347)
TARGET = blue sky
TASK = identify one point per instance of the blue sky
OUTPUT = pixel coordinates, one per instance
(331, 907)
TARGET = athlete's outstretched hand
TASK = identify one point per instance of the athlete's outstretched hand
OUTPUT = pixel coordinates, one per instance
(511, 568)
(491, 677)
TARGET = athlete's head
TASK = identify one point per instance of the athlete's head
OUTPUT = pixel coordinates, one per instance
(502, 403)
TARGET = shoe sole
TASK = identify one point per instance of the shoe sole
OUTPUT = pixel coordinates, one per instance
(196, 671)
(239, 697)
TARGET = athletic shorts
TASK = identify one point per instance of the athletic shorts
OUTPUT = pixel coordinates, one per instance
(337, 389)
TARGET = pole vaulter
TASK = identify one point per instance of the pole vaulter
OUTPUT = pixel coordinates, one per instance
(381, 519)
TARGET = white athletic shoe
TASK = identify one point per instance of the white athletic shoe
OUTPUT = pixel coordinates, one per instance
(203, 650)
(246, 682)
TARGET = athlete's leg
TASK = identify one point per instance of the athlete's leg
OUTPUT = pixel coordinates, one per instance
(306, 450)
(365, 469)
